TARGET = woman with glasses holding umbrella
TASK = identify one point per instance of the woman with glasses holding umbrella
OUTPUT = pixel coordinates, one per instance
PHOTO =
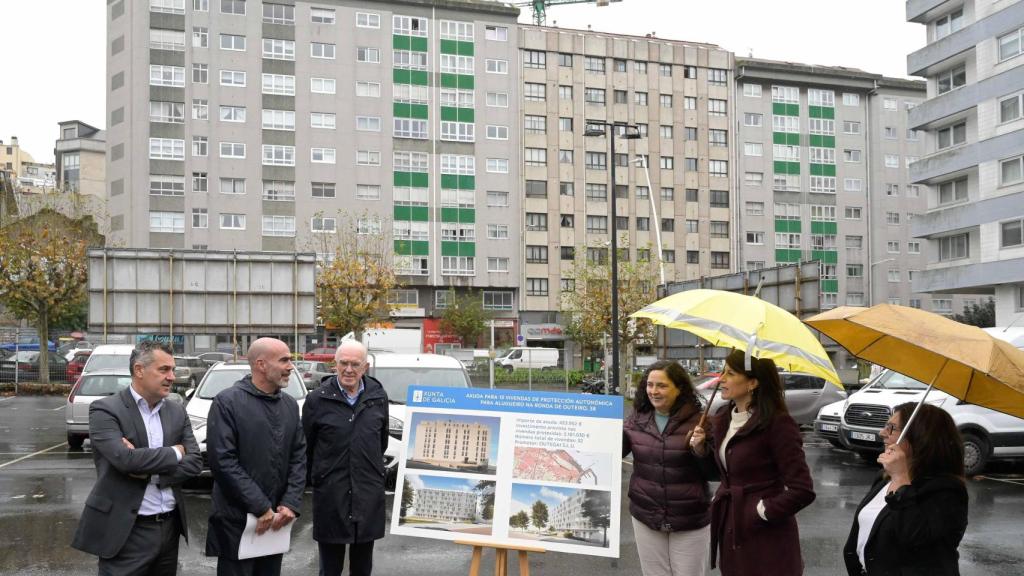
(915, 514)
(765, 479)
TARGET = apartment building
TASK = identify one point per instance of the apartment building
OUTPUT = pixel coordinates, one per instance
(972, 230)
(22, 168)
(445, 505)
(678, 95)
(253, 125)
(452, 443)
(80, 159)
(568, 516)
(823, 156)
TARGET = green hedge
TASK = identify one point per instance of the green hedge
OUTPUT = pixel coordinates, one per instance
(502, 376)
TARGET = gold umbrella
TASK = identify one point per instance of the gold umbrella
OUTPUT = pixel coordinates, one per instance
(963, 361)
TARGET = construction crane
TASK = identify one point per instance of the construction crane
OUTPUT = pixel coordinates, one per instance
(540, 7)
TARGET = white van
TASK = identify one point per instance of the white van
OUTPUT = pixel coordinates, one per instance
(988, 435)
(109, 357)
(529, 358)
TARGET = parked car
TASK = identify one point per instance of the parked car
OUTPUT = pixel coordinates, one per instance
(399, 371)
(90, 387)
(211, 358)
(27, 343)
(522, 357)
(312, 372)
(805, 395)
(827, 423)
(77, 363)
(987, 434)
(25, 365)
(322, 354)
(107, 357)
(73, 348)
(706, 382)
(220, 377)
(188, 371)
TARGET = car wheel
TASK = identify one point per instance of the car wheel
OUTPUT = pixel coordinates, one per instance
(509, 369)
(75, 441)
(976, 454)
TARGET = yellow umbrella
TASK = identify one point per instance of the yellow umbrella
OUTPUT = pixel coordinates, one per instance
(747, 323)
(963, 361)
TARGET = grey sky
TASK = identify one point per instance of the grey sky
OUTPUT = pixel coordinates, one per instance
(58, 69)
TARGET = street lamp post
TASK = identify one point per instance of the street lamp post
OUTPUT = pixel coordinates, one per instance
(871, 279)
(628, 133)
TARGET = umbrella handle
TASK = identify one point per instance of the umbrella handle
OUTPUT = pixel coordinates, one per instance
(704, 416)
(913, 414)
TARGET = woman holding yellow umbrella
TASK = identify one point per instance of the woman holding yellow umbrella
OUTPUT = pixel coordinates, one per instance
(765, 478)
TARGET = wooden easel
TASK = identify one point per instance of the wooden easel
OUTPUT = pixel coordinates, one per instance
(501, 557)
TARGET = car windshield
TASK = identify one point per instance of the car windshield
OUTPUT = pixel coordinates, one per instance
(217, 381)
(105, 385)
(108, 362)
(25, 356)
(895, 381)
(396, 380)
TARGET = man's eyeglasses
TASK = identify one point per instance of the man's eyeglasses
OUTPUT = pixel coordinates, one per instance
(891, 428)
(352, 365)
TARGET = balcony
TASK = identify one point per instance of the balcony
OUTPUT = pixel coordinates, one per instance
(965, 215)
(918, 10)
(964, 98)
(920, 62)
(963, 157)
(971, 277)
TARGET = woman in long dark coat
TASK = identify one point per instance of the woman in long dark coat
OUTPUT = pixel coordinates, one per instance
(765, 479)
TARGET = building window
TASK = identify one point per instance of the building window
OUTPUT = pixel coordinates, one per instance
(890, 104)
(667, 162)
(496, 33)
(536, 254)
(755, 208)
(719, 229)
(166, 149)
(322, 155)
(949, 23)
(1011, 233)
(534, 59)
(954, 247)
(497, 231)
(234, 78)
(321, 50)
(172, 40)
(716, 107)
(851, 156)
(367, 55)
(597, 224)
(718, 168)
(232, 42)
(283, 226)
(942, 305)
(167, 112)
(170, 222)
(596, 161)
(536, 189)
(367, 20)
(160, 185)
(497, 66)
(751, 90)
(751, 119)
(852, 212)
(566, 189)
(719, 77)
(458, 265)
(952, 135)
(321, 225)
(497, 264)
(494, 300)
(668, 225)
(753, 149)
(1011, 170)
(818, 97)
(594, 96)
(497, 165)
(323, 190)
(166, 76)
(280, 84)
(755, 238)
(594, 64)
(786, 94)
(719, 260)
(1010, 44)
(327, 16)
(952, 191)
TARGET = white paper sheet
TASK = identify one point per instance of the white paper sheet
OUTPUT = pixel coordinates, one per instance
(270, 542)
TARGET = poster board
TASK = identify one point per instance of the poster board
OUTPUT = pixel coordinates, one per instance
(511, 467)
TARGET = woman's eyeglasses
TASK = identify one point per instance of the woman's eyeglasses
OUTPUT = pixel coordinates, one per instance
(891, 428)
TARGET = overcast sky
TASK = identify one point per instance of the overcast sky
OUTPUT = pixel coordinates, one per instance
(56, 71)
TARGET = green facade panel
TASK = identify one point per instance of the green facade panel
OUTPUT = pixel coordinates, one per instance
(826, 256)
(411, 213)
(824, 227)
(412, 247)
(787, 255)
(456, 182)
(785, 138)
(459, 215)
(783, 167)
(830, 286)
(822, 141)
(404, 110)
(413, 179)
(467, 182)
(463, 81)
(415, 43)
(449, 248)
(823, 169)
(457, 47)
(787, 226)
(826, 112)
(417, 77)
(781, 109)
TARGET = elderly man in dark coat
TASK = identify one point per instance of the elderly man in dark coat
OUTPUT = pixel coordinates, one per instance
(257, 455)
(346, 424)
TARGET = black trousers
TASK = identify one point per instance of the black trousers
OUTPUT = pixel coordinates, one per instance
(332, 558)
(151, 550)
(262, 566)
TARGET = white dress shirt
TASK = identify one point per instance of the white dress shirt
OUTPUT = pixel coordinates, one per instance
(155, 500)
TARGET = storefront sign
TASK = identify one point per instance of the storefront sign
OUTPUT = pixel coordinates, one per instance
(526, 468)
(543, 332)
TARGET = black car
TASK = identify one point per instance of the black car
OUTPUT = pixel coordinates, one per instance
(25, 364)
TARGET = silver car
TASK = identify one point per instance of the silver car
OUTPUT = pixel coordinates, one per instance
(312, 372)
(90, 387)
(188, 371)
(805, 396)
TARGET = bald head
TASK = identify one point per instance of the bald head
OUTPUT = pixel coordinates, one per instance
(350, 347)
(271, 364)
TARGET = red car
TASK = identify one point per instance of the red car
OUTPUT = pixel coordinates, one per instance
(325, 354)
(76, 364)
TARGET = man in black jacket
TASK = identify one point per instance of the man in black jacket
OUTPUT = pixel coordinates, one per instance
(346, 424)
(257, 455)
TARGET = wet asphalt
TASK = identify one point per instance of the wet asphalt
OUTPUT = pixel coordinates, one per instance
(43, 487)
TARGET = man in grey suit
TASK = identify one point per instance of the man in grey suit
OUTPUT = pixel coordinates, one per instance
(143, 449)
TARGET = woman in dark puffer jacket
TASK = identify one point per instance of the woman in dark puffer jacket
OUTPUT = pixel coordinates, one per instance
(668, 492)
